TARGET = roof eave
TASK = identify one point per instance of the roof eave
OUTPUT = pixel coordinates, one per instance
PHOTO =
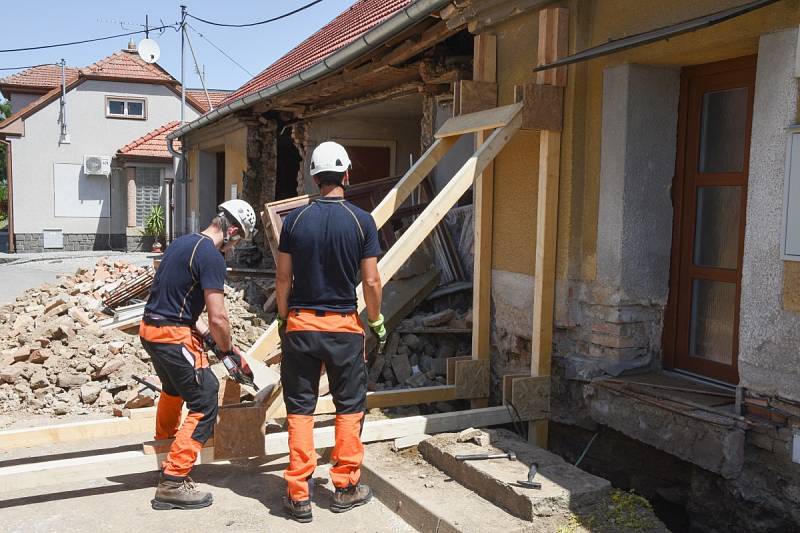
(379, 34)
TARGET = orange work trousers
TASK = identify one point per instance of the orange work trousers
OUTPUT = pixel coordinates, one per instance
(313, 338)
(182, 366)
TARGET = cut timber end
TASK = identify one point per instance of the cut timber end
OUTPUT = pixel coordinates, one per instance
(479, 121)
(472, 379)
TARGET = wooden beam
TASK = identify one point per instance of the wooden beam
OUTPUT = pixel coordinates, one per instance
(553, 33)
(67, 471)
(479, 121)
(484, 71)
(75, 431)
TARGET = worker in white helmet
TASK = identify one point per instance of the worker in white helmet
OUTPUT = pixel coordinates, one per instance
(190, 278)
(323, 248)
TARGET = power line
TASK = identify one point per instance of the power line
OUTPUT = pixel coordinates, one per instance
(29, 66)
(220, 50)
(85, 40)
(273, 19)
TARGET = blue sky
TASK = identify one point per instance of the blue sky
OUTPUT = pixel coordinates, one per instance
(52, 21)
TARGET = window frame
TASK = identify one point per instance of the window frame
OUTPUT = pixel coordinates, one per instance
(125, 100)
(161, 192)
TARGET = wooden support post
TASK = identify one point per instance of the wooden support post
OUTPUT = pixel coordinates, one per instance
(484, 71)
(553, 34)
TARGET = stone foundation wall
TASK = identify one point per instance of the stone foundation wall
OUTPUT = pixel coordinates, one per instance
(73, 242)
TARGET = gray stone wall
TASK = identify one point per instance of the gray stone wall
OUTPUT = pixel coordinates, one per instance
(769, 336)
(73, 242)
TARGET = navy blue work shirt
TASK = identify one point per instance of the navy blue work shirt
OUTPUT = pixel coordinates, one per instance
(327, 240)
(190, 265)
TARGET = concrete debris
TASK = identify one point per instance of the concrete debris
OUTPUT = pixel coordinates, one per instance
(56, 359)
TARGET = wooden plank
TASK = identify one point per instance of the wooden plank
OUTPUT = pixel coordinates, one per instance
(239, 431)
(434, 331)
(553, 32)
(481, 120)
(484, 68)
(530, 396)
(544, 106)
(470, 96)
(508, 384)
(155, 447)
(75, 431)
(451, 367)
(472, 379)
(412, 178)
(65, 471)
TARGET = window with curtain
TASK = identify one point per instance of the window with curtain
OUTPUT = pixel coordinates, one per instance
(148, 192)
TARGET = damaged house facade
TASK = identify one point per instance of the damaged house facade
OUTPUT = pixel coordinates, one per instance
(633, 244)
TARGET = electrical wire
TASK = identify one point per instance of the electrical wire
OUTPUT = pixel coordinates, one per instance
(273, 19)
(29, 66)
(42, 47)
(220, 50)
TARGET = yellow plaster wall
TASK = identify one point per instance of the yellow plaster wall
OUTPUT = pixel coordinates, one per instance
(193, 172)
(516, 167)
(235, 160)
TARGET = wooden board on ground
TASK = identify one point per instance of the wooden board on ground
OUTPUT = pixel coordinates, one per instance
(75, 431)
(40, 474)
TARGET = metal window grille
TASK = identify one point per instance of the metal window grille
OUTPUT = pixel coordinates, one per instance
(148, 192)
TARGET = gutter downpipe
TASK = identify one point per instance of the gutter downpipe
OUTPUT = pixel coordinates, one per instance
(10, 181)
(379, 34)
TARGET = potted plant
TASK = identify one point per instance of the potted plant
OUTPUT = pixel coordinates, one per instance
(154, 226)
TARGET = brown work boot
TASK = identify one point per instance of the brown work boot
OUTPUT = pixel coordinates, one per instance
(176, 493)
(300, 511)
(352, 496)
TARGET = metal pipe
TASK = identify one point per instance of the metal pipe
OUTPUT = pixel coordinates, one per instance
(373, 38)
(10, 195)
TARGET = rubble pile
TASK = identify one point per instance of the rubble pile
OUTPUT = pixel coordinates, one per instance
(417, 351)
(56, 358)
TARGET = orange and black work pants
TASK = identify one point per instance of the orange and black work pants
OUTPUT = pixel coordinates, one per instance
(180, 361)
(311, 339)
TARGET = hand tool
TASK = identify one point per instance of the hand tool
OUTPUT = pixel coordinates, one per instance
(530, 483)
(147, 384)
(511, 456)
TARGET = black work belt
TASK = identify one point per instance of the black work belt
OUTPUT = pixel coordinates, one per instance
(152, 319)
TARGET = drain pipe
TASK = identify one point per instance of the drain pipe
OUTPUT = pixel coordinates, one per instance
(9, 195)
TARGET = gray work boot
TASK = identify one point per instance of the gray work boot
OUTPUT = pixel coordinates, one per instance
(300, 511)
(180, 494)
(353, 496)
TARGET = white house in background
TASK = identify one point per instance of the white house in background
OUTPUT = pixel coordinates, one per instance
(86, 168)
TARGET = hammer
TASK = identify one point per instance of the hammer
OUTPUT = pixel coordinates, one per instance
(511, 456)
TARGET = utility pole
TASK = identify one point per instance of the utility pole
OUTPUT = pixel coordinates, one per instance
(183, 64)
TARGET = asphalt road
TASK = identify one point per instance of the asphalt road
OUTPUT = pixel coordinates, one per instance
(25, 271)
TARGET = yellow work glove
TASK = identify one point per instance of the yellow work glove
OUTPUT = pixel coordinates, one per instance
(379, 330)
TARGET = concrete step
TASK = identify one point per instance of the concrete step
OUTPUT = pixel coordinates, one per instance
(565, 488)
(430, 500)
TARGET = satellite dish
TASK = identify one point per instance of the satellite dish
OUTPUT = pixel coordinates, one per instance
(149, 50)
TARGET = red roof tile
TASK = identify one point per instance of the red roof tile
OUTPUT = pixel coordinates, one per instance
(44, 77)
(351, 24)
(127, 64)
(216, 95)
(153, 144)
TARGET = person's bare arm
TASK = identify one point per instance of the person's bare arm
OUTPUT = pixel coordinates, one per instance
(371, 284)
(283, 283)
(218, 323)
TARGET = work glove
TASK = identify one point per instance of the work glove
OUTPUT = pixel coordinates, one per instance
(209, 342)
(379, 330)
(281, 322)
(238, 368)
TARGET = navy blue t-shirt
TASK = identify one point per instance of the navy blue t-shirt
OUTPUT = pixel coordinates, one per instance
(327, 240)
(190, 265)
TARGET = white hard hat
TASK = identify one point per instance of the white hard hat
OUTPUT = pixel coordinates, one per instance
(329, 157)
(242, 213)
